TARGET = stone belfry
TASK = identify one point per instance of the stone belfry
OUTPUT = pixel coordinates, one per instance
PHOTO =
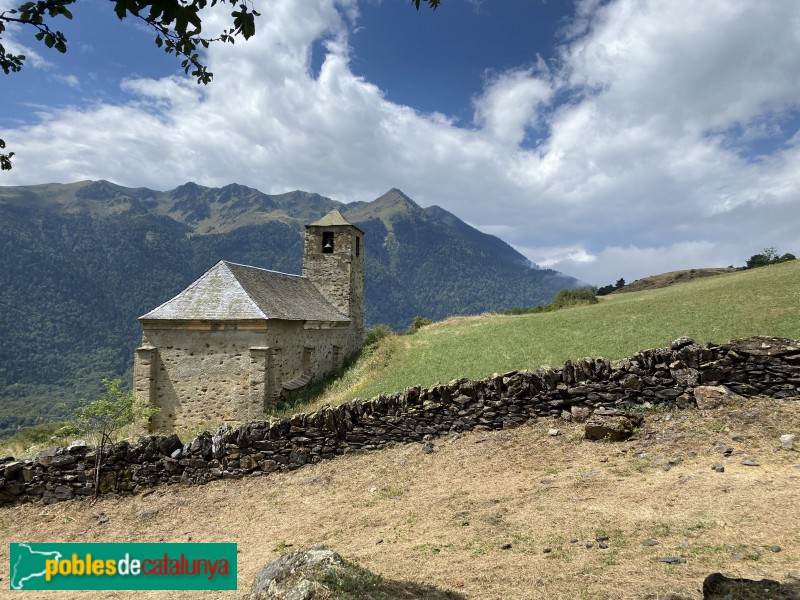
(333, 259)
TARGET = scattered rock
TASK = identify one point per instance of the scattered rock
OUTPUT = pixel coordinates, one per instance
(77, 447)
(580, 413)
(775, 548)
(718, 468)
(553, 432)
(506, 547)
(672, 560)
(602, 545)
(714, 396)
(611, 425)
(681, 342)
(547, 550)
(649, 542)
(750, 462)
(787, 441)
(428, 448)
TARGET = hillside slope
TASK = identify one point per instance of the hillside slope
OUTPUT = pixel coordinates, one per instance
(80, 262)
(760, 301)
(671, 278)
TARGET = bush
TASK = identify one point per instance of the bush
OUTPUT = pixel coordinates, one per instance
(376, 333)
(566, 298)
(768, 256)
(417, 324)
(605, 290)
(574, 297)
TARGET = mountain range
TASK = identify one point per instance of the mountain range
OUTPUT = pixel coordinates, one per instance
(81, 261)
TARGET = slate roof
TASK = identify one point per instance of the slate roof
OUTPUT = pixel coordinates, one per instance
(229, 292)
(332, 219)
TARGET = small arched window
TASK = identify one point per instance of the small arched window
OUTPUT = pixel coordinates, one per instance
(358, 246)
(327, 242)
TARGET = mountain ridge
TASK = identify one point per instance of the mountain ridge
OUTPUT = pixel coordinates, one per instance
(81, 261)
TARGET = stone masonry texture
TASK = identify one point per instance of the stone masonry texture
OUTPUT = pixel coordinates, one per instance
(659, 377)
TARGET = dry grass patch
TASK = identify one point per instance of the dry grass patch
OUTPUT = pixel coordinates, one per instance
(479, 514)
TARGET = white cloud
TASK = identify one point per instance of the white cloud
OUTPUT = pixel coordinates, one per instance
(632, 263)
(645, 168)
(69, 80)
(509, 105)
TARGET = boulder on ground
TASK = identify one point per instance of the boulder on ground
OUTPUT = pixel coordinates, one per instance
(715, 396)
(611, 425)
(317, 573)
(296, 575)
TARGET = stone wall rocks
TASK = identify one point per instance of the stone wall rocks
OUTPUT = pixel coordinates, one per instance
(658, 377)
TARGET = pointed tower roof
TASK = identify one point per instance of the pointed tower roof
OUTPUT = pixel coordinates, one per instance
(332, 219)
(229, 292)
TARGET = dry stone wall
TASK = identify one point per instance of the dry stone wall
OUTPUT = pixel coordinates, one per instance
(657, 377)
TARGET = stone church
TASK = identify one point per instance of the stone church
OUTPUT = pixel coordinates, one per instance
(231, 343)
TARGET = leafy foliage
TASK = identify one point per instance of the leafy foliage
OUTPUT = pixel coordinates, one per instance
(434, 4)
(768, 256)
(5, 159)
(102, 418)
(607, 289)
(416, 324)
(376, 333)
(566, 298)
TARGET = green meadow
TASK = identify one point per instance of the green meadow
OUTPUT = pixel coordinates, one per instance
(764, 301)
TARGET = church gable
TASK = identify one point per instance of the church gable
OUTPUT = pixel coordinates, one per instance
(282, 296)
(216, 295)
(229, 291)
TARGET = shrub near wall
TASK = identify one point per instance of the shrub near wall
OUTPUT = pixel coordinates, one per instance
(657, 377)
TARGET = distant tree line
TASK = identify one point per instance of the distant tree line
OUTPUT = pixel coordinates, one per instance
(607, 289)
(768, 256)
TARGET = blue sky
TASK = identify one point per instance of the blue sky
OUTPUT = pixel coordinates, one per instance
(605, 139)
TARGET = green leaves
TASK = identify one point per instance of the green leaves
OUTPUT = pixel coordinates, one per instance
(244, 22)
(33, 14)
(5, 159)
(113, 410)
(434, 4)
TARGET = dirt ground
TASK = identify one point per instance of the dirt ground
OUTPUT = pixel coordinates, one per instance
(495, 515)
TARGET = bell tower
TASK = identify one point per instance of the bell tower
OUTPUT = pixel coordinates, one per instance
(333, 259)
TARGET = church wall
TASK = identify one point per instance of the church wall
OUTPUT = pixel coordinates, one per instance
(330, 349)
(200, 375)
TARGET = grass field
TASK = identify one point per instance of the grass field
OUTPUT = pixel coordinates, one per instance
(763, 301)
